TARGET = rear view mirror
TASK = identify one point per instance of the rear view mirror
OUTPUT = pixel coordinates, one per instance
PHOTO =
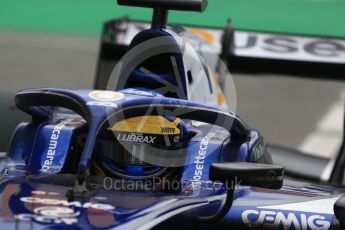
(243, 173)
(339, 210)
(251, 174)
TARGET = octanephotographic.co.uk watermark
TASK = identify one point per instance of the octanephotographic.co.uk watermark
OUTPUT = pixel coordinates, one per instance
(157, 183)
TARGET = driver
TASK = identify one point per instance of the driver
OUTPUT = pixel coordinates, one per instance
(128, 148)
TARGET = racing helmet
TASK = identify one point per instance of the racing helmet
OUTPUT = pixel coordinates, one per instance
(129, 147)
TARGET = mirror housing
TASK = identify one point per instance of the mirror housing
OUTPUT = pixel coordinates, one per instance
(339, 210)
(251, 174)
(242, 173)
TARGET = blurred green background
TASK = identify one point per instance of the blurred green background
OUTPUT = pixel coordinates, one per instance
(85, 17)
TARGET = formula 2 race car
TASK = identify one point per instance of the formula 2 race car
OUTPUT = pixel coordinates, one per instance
(159, 148)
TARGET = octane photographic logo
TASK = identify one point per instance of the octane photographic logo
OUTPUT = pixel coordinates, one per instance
(198, 82)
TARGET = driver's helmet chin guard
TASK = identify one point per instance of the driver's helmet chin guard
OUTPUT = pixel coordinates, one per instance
(123, 147)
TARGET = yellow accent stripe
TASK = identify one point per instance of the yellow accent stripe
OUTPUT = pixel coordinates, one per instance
(148, 125)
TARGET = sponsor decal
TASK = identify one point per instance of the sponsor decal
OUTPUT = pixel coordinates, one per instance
(101, 198)
(51, 214)
(56, 211)
(53, 142)
(136, 137)
(65, 203)
(40, 192)
(102, 103)
(287, 220)
(282, 46)
(166, 130)
(199, 161)
(141, 92)
(279, 46)
(270, 45)
(106, 96)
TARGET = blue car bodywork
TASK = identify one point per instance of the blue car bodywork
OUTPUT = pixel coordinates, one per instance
(41, 204)
(46, 178)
